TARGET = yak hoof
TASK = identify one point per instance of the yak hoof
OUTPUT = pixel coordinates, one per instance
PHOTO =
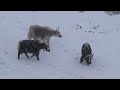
(37, 58)
(18, 58)
(28, 57)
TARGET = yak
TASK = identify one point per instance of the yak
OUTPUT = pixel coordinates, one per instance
(31, 46)
(43, 33)
(86, 52)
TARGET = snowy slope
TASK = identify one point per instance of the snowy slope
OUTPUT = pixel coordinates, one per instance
(63, 60)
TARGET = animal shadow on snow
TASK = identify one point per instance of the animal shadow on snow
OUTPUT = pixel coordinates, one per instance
(28, 61)
(77, 59)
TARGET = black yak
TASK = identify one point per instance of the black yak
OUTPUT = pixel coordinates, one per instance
(86, 52)
(31, 46)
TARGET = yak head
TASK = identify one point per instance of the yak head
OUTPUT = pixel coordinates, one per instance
(88, 59)
(57, 33)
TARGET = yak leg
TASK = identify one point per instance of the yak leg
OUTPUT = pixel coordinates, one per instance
(33, 55)
(81, 59)
(19, 54)
(37, 55)
(48, 41)
(88, 62)
(26, 54)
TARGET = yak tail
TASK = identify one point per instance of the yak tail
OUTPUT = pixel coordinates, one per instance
(18, 47)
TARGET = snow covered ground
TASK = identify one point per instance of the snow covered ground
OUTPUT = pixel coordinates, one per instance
(63, 60)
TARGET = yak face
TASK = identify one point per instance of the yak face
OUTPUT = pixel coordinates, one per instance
(88, 59)
(45, 47)
(41, 45)
(57, 33)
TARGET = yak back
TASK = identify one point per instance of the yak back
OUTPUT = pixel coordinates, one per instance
(30, 45)
(41, 30)
(86, 49)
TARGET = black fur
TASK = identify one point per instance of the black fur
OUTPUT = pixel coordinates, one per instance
(31, 46)
(86, 52)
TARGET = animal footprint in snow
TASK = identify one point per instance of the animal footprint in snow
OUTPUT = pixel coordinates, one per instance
(77, 59)
(78, 26)
(89, 31)
(5, 52)
(19, 22)
(91, 41)
(65, 50)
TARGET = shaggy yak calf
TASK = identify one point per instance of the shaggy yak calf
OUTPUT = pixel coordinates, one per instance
(86, 52)
(31, 46)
